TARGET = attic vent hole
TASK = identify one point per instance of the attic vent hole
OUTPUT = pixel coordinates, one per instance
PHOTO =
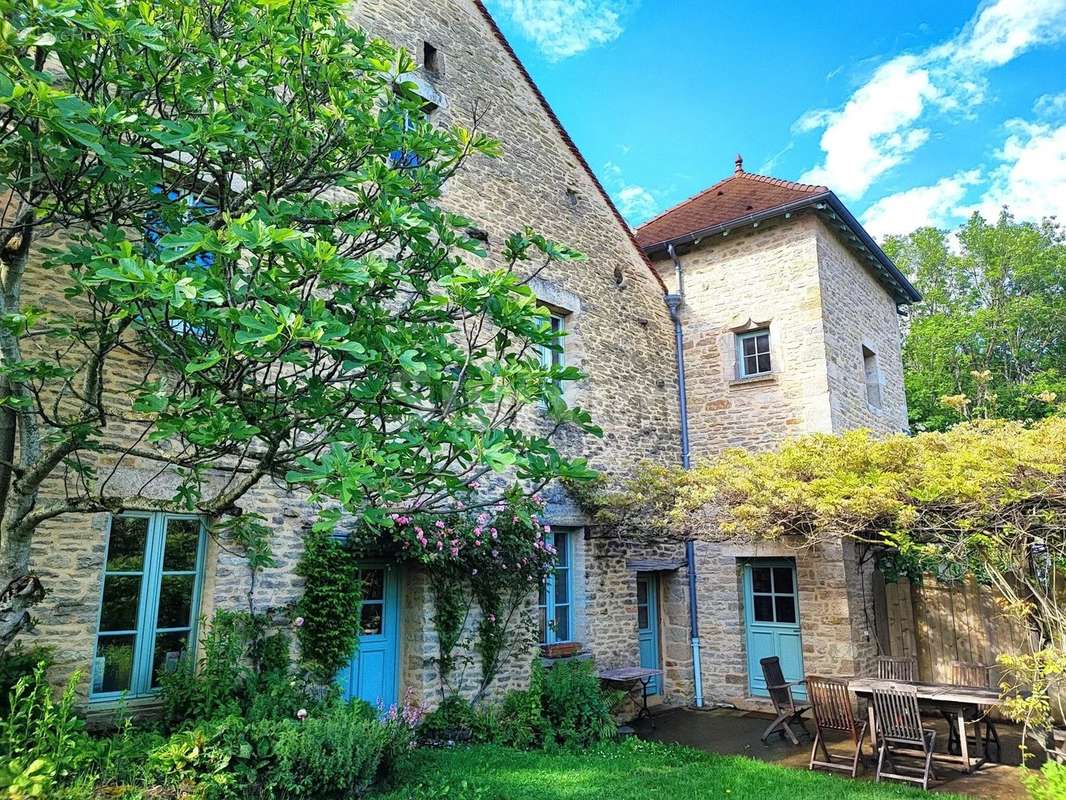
(431, 58)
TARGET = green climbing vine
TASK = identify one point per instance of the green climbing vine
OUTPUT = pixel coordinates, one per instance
(327, 614)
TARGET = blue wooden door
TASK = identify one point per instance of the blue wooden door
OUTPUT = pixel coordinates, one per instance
(772, 616)
(648, 626)
(371, 674)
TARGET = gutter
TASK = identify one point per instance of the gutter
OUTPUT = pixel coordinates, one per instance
(674, 303)
(817, 201)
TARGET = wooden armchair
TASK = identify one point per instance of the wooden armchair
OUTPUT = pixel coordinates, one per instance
(898, 722)
(833, 711)
(977, 675)
(784, 704)
(895, 668)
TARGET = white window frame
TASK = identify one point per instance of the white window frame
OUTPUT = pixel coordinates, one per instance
(563, 539)
(753, 335)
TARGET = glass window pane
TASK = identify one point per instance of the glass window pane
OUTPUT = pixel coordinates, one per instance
(373, 584)
(125, 546)
(783, 580)
(175, 601)
(562, 586)
(749, 346)
(760, 579)
(562, 623)
(762, 343)
(562, 557)
(642, 618)
(751, 365)
(786, 608)
(763, 607)
(542, 624)
(370, 619)
(169, 648)
(642, 593)
(764, 363)
(122, 596)
(183, 540)
(113, 666)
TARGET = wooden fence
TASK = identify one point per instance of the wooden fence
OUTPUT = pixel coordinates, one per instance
(938, 623)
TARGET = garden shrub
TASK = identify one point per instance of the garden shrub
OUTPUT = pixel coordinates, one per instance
(575, 706)
(16, 662)
(454, 720)
(1047, 784)
(42, 742)
(563, 706)
(332, 756)
(245, 671)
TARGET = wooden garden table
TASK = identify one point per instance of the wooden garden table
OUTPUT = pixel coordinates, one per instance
(954, 700)
(631, 676)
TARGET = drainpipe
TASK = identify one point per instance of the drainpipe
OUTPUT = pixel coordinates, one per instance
(673, 303)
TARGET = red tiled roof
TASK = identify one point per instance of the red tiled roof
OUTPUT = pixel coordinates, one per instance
(567, 140)
(738, 196)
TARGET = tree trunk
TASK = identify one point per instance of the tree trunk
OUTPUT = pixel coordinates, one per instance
(21, 593)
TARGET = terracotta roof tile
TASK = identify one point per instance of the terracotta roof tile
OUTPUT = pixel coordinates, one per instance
(737, 196)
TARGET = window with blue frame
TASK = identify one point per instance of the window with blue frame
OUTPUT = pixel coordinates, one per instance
(753, 353)
(192, 208)
(149, 601)
(555, 601)
(554, 357)
(405, 159)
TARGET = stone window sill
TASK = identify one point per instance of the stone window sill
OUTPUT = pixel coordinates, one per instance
(769, 377)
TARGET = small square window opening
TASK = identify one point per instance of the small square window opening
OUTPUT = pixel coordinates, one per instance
(753, 353)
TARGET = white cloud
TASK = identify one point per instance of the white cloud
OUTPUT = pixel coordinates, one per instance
(936, 205)
(1050, 105)
(564, 28)
(881, 124)
(636, 203)
(1031, 179)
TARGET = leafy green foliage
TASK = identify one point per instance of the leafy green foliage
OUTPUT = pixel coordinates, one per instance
(564, 706)
(1048, 784)
(985, 498)
(992, 306)
(42, 742)
(296, 303)
(17, 662)
(245, 671)
(455, 720)
(328, 609)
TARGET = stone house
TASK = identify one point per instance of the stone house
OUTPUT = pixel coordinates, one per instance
(788, 316)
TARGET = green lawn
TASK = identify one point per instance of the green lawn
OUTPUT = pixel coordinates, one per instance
(632, 770)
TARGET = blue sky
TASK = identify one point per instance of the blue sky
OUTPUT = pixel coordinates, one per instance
(913, 112)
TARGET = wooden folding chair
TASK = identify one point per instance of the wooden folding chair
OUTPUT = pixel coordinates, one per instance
(784, 704)
(900, 733)
(979, 676)
(833, 711)
(894, 668)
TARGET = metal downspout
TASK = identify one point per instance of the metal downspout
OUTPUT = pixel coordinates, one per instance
(673, 303)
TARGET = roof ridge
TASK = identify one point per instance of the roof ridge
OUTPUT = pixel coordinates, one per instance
(567, 141)
(799, 187)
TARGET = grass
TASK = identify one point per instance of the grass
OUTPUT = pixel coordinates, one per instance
(632, 770)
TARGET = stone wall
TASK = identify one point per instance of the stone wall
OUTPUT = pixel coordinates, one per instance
(619, 334)
(763, 276)
(832, 644)
(858, 312)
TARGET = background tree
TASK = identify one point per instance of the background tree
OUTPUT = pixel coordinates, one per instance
(991, 326)
(237, 199)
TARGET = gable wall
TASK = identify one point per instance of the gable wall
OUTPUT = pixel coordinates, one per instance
(765, 274)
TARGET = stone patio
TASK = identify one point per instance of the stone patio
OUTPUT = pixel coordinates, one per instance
(732, 732)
